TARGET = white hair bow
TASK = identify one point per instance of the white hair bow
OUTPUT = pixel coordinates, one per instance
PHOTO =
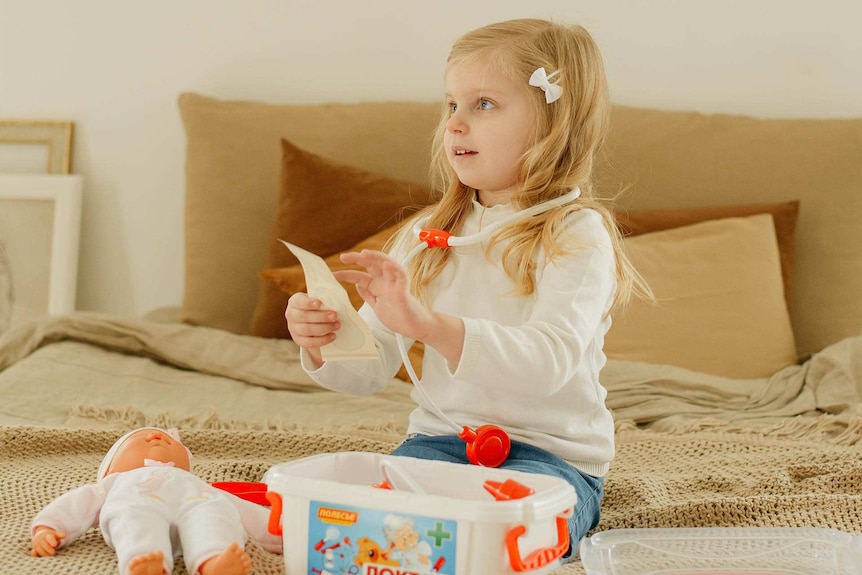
(540, 79)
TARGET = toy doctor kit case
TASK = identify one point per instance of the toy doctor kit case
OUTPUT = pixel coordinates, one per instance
(354, 513)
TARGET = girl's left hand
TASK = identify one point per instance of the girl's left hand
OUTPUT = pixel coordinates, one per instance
(384, 286)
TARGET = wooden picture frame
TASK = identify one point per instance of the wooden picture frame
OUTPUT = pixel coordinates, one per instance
(40, 225)
(56, 136)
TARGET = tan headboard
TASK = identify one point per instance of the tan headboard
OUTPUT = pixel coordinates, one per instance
(662, 159)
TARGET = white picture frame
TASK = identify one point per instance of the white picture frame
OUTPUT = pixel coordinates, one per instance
(40, 228)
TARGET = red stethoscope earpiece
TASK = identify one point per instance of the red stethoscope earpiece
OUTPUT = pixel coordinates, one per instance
(487, 446)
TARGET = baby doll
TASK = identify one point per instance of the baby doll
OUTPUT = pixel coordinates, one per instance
(151, 508)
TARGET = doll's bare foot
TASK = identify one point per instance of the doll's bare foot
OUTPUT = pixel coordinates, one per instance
(231, 561)
(147, 564)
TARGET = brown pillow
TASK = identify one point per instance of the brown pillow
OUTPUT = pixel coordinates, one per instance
(325, 207)
(784, 217)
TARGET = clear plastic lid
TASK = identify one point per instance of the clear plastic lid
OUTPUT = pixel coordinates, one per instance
(722, 551)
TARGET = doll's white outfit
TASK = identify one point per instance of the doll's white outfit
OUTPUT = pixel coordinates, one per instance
(158, 508)
(529, 364)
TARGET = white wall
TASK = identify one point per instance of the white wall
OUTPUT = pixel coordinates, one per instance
(116, 67)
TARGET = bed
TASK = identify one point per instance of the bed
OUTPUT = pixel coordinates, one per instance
(736, 397)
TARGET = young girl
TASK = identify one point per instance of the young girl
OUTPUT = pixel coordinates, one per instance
(513, 326)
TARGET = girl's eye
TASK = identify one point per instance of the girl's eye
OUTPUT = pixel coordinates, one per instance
(453, 107)
(485, 104)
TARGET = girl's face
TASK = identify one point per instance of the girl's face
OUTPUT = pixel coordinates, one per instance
(489, 129)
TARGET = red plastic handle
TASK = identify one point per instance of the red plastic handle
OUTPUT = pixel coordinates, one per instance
(540, 557)
(274, 525)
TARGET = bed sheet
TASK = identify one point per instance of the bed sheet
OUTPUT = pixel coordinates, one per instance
(92, 371)
(57, 369)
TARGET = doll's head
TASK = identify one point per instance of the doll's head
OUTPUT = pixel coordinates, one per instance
(143, 447)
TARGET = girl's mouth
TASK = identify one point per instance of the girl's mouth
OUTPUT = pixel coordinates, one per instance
(463, 152)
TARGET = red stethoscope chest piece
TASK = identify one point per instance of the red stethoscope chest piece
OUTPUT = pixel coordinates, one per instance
(487, 446)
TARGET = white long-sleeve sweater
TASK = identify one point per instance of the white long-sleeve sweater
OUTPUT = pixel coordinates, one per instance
(529, 364)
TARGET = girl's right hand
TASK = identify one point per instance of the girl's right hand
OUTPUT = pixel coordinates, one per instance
(310, 326)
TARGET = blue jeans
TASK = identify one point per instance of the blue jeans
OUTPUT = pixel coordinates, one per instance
(527, 458)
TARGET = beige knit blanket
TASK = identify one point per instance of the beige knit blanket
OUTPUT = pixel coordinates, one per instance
(691, 479)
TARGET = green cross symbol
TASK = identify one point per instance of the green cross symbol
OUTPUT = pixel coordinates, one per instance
(438, 534)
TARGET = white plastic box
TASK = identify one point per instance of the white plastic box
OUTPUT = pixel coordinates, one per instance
(437, 517)
(722, 551)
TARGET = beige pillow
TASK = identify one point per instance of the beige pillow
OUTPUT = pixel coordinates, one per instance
(720, 307)
(233, 162)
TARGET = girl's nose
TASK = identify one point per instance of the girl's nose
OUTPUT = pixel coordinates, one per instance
(456, 124)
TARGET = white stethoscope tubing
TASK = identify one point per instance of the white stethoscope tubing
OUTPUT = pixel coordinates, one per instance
(455, 241)
(417, 384)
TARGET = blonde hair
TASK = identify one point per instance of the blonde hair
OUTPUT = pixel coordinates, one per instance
(568, 133)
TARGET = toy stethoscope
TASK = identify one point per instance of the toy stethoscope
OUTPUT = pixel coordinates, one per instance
(488, 445)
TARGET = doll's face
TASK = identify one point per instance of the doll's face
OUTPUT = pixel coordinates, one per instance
(149, 444)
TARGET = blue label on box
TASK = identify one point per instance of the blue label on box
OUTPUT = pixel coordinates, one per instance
(346, 540)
